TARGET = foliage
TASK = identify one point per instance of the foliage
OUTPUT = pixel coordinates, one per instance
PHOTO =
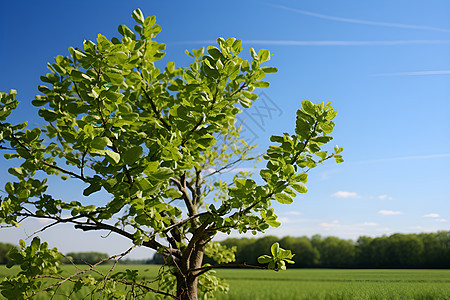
(4, 249)
(36, 261)
(278, 259)
(148, 138)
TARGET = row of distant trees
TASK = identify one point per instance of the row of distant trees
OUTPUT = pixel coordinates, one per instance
(424, 250)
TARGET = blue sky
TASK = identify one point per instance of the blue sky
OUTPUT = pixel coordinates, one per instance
(384, 66)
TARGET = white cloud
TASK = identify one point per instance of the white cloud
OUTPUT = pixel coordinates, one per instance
(344, 194)
(389, 212)
(357, 21)
(327, 226)
(369, 224)
(237, 170)
(441, 220)
(294, 213)
(415, 73)
(432, 215)
(384, 197)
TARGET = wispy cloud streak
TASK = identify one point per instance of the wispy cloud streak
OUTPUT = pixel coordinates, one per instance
(346, 43)
(417, 73)
(322, 43)
(357, 21)
(413, 157)
(390, 212)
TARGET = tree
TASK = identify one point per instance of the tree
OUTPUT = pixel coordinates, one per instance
(306, 255)
(85, 257)
(149, 138)
(335, 252)
(4, 249)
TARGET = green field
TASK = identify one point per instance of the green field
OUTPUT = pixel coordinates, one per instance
(324, 283)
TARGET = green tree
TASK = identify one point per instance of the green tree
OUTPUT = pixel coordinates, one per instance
(4, 249)
(363, 251)
(147, 137)
(335, 252)
(85, 257)
(305, 254)
(406, 250)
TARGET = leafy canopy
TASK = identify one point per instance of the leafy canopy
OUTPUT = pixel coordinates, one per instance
(149, 138)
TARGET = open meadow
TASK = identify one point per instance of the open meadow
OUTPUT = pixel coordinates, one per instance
(316, 283)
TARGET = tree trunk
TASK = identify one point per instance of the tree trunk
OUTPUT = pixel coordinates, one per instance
(187, 282)
(186, 287)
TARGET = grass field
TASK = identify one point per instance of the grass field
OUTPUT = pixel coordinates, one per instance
(323, 283)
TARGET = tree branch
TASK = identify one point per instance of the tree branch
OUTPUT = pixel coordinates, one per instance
(82, 271)
(187, 199)
(155, 110)
(294, 159)
(65, 171)
(46, 163)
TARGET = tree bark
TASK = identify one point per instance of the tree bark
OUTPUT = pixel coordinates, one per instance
(187, 282)
(187, 287)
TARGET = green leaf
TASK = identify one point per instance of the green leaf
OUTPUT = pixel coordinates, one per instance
(100, 142)
(150, 21)
(125, 31)
(78, 76)
(273, 222)
(264, 55)
(160, 174)
(265, 259)
(308, 107)
(232, 70)
(261, 84)
(173, 194)
(275, 249)
(138, 16)
(94, 187)
(132, 155)
(302, 177)
(113, 78)
(285, 254)
(301, 188)
(283, 198)
(18, 172)
(35, 243)
(253, 54)
(322, 139)
(269, 69)
(339, 158)
(114, 156)
(236, 47)
(9, 188)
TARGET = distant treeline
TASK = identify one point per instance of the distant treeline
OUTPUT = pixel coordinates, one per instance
(81, 258)
(424, 250)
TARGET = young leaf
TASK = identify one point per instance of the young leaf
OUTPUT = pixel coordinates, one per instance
(138, 16)
(275, 249)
